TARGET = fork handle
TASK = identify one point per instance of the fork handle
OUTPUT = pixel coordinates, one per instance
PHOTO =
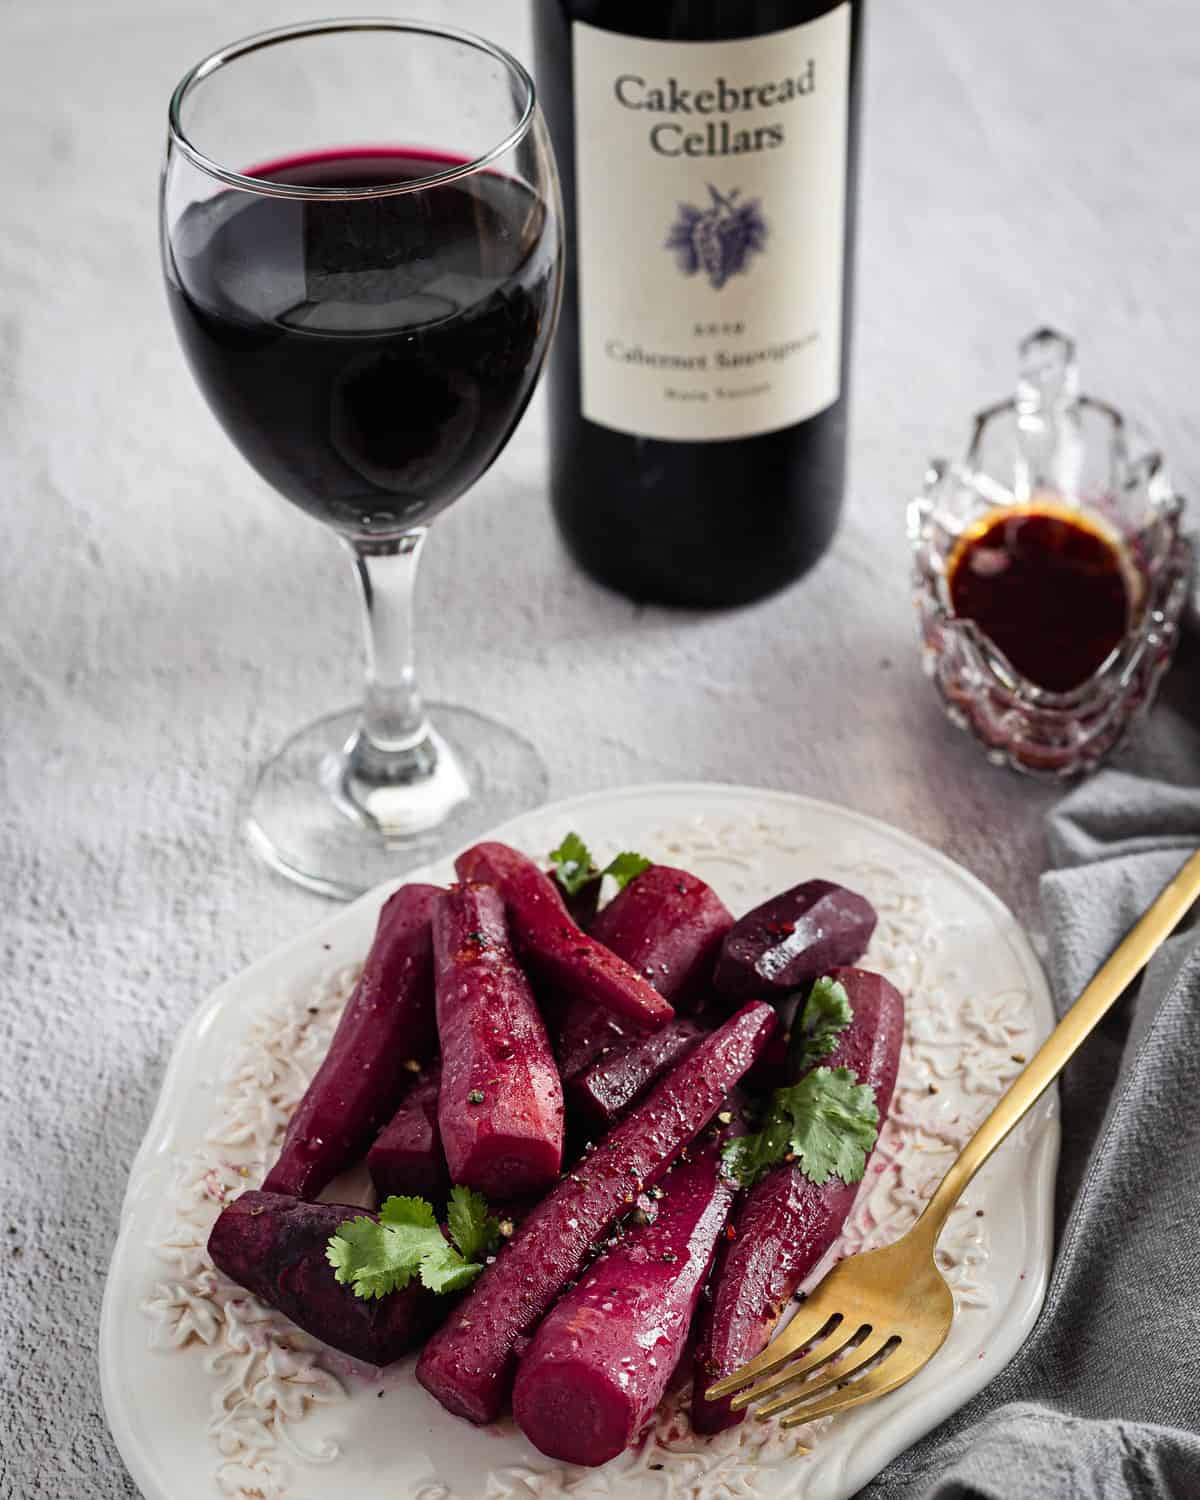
(1132, 955)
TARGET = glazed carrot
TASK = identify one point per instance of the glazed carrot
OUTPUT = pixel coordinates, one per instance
(387, 1025)
(274, 1245)
(793, 939)
(668, 925)
(554, 947)
(469, 1364)
(600, 1095)
(601, 1359)
(408, 1159)
(786, 1223)
(581, 1032)
(500, 1103)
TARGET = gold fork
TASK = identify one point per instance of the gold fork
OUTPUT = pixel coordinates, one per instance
(879, 1317)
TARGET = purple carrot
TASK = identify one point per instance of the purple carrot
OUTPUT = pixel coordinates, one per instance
(500, 1105)
(388, 1023)
(274, 1246)
(553, 946)
(793, 939)
(468, 1366)
(408, 1159)
(581, 1032)
(773, 1069)
(601, 1359)
(600, 1095)
(668, 925)
(583, 903)
(786, 1223)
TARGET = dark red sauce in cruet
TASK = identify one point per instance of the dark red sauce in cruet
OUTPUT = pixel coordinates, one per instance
(1052, 587)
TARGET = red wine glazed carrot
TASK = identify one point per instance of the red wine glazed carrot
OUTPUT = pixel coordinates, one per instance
(786, 1223)
(792, 939)
(408, 1158)
(388, 1023)
(469, 1364)
(500, 1104)
(668, 925)
(600, 1095)
(601, 1359)
(581, 1032)
(274, 1245)
(554, 947)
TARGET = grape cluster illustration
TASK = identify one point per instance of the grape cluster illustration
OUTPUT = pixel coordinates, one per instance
(718, 239)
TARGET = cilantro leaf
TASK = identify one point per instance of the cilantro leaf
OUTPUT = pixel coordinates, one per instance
(448, 1271)
(365, 1256)
(473, 1230)
(378, 1257)
(825, 1124)
(815, 1033)
(836, 1123)
(573, 864)
(625, 867)
(354, 1242)
(413, 1228)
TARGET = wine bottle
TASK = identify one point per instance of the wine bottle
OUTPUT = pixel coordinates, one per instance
(698, 386)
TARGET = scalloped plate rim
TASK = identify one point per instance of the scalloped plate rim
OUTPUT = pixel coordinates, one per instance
(889, 1437)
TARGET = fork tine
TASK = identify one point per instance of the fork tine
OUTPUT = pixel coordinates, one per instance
(828, 1380)
(890, 1375)
(811, 1324)
(794, 1371)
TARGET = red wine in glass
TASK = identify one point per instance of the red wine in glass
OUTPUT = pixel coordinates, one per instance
(362, 242)
(371, 356)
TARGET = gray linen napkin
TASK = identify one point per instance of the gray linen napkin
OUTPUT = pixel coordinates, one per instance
(1103, 1400)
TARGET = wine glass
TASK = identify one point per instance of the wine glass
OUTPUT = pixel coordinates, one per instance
(362, 243)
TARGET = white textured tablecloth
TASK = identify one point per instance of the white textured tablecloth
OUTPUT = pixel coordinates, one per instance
(165, 621)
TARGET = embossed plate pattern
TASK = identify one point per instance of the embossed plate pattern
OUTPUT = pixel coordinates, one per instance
(211, 1395)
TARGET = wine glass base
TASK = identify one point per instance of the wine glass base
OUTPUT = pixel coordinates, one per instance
(300, 822)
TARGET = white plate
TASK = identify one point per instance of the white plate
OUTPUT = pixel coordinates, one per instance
(209, 1394)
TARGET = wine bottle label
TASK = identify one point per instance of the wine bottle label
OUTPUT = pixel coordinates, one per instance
(711, 198)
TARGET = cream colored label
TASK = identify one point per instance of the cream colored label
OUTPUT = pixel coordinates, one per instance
(711, 184)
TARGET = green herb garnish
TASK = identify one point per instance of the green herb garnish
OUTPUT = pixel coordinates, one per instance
(574, 866)
(625, 867)
(815, 1031)
(378, 1257)
(572, 862)
(825, 1125)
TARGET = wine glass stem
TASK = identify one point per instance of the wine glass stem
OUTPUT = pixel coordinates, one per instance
(394, 744)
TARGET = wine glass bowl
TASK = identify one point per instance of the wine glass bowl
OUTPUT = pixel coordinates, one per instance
(362, 247)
